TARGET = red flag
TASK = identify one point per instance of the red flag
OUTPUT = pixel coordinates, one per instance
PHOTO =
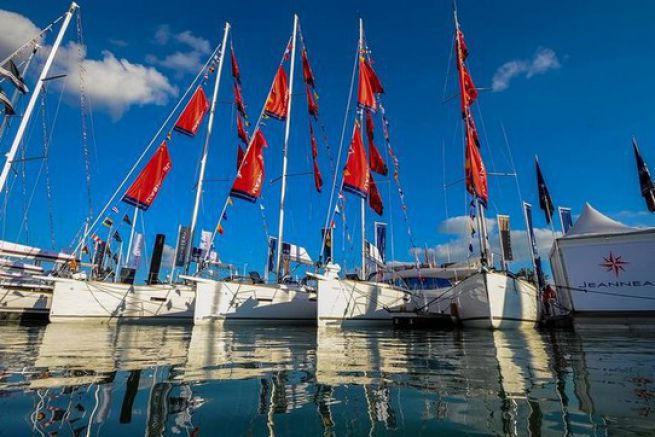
(356, 175)
(145, 188)
(369, 86)
(307, 73)
(240, 154)
(248, 183)
(468, 92)
(318, 180)
(462, 50)
(241, 131)
(467, 88)
(312, 106)
(313, 142)
(236, 73)
(476, 174)
(278, 99)
(193, 113)
(377, 163)
(238, 99)
(474, 131)
(374, 198)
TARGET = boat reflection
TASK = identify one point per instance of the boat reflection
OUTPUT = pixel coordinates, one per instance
(79, 379)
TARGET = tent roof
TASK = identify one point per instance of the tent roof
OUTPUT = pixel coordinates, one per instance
(592, 222)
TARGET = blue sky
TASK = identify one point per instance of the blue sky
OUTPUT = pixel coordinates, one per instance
(576, 89)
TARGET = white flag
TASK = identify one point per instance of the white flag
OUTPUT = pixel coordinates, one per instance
(136, 251)
(205, 243)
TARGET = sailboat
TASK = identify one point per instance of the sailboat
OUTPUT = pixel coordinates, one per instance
(377, 295)
(251, 299)
(78, 297)
(487, 299)
(23, 296)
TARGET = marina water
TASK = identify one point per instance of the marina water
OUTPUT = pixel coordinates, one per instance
(79, 379)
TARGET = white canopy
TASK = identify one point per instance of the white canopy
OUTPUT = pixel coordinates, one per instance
(592, 222)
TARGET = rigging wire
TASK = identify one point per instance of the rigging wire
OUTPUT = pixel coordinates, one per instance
(83, 115)
(145, 151)
(46, 146)
(32, 40)
(330, 212)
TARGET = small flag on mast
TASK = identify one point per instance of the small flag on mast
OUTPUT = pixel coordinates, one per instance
(127, 220)
(645, 181)
(545, 202)
(108, 221)
(118, 237)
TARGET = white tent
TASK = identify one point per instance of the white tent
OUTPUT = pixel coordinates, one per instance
(592, 222)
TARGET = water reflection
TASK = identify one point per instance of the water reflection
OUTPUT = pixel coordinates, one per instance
(98, 379)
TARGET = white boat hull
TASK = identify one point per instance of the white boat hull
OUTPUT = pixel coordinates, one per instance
(493, 300)
(354, 303)
(221, 301)
(108, 302)
(18, 303)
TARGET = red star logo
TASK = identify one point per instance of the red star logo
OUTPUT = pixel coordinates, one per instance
(614, 264)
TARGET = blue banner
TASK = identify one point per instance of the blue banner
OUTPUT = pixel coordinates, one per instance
(566, 219)
(381, 239)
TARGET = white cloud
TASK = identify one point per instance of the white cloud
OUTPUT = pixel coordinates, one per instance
(16, 31)
(457, 249)
(197, 43)
(111, 83)
(163, 34)
(181, 61)
(118, 42)
(543, 60)
(114, 83)
(187, 62)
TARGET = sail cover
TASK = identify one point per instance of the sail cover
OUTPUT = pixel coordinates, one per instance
(9, 109)
(356, 176)
(11, 73)
(145, 188)
(248, 183)
(374, 198)
(278, 99)
(369, 86)
(193, 113)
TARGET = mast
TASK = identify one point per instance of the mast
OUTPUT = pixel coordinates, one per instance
(362, 204)
(285, 150)
(205, 148)
(480, 213)
(35, 95)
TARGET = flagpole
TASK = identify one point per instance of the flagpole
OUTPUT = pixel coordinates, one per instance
(205, 149)
(285, 151)
(20, 132)
(132, 230)
(177, 248)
